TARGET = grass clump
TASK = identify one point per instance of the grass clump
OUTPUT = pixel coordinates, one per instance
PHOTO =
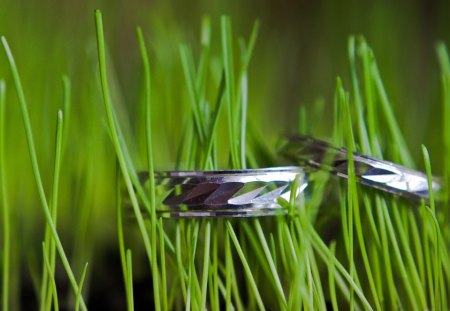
(341, 246)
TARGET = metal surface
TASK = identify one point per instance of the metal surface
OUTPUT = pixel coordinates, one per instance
(256, 192)
(233, 193)
(375, 173)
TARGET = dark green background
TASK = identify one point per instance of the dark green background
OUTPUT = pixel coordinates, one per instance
(300, 51)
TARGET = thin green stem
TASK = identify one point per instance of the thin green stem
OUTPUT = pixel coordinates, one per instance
(415, 298)
(115, 136)
(437, 272)
(325, 253)
(228, 260)
(35, 166)
(444, 62)
(246, 266)
(351, 188)
(49, 271)
(80, 288)
(213, 127)
(392, 290)
(359, 110)
(205, 271)
(227, 51)
(180, 266)
(151, 177)
(6, 253)
(392, 124)
(129, 285)
(50, 243)
(162, 250)
(265, 246)
(121, 242)
(192, 289)
(412, 268)
(188, 69)
(331, 277)
(215, 268)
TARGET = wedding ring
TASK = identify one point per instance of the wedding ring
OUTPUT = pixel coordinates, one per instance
(257, 192)
(369, 171)
(228, 193)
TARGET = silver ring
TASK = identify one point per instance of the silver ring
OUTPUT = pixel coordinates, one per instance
(256, 192)
(369, 171)
(228, 193)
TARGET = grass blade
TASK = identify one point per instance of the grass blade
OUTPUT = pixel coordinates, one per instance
(265, 246)
(228, 59)
(50, 243)
(80, 287)
(228, 275)
(444, 62)
(331, 277)
(181, 271)
(128, 282)
(129, 289)
(35, 166)
(151, 178)
(205, 271)
(162, 250)
(246, 266)
(6, 252)
(51, 277)
(115, 136)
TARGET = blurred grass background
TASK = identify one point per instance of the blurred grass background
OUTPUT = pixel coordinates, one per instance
(300, 50)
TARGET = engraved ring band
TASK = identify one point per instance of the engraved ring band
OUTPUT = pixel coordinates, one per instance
(257, 192)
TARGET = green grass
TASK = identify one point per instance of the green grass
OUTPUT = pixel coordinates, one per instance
(6, 215)
(341, 246)
(35, 166)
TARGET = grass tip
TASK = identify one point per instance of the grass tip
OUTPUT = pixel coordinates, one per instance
(5, 43)
(424, 149)
(98, 15)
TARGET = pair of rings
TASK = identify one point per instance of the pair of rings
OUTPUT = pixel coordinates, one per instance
(257, 192)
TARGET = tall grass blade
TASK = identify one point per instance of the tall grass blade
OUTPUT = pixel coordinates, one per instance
(80, 288)
(128, 282)
(35, 166)
(6, 216)
(265, 246)
(246, 266)
(151, 178)
(115, 136)
(205, 271)
(51, 276)
(162, 250)
(129, 285)
(49, 242)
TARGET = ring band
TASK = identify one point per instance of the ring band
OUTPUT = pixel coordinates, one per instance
(229, 193)
(375, 173)
(256, 192)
